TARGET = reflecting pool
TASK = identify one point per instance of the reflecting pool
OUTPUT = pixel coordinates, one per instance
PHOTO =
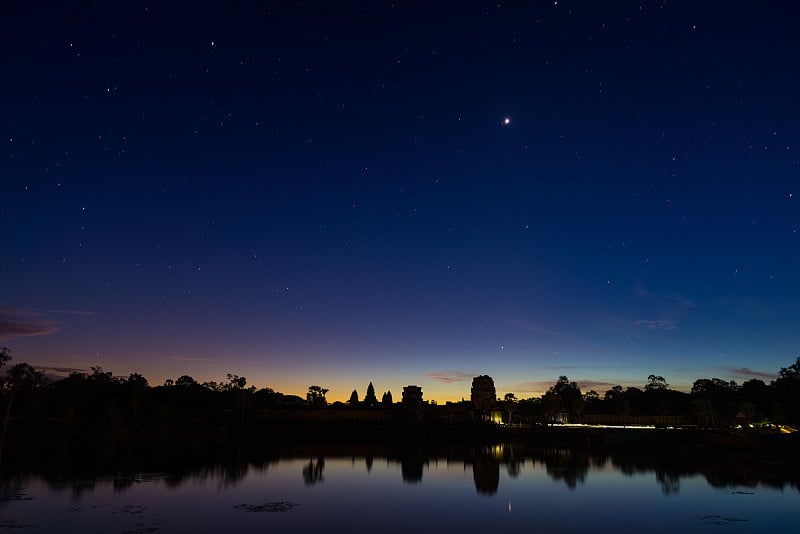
(491, 489)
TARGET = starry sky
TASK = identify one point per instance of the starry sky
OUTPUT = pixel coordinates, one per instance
(335, 193)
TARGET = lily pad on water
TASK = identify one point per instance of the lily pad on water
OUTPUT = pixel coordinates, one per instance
(715, 519)
(132, 509)
(15, 497)
(10, 523)
(141, 529)
(274, 507)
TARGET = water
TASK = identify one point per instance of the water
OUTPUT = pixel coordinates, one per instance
(559, 490)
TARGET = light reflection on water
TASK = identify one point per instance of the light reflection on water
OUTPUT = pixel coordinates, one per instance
(562, 490)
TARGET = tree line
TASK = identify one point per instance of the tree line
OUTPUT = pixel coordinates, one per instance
(711, 401)
(98, 399)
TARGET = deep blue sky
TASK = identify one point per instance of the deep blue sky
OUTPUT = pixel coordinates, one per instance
(327, 193)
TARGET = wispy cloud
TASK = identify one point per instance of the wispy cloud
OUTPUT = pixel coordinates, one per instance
(67, 312)
(536, 328)
(683, 301)
(746, 372)
(641, 290)
(448, 377)
(62, 370)
(539, 387)
(532, 386)
(16, 323)
(658, 324)
(569, 367)
(55, 373)
(191, 359)
(596, 385)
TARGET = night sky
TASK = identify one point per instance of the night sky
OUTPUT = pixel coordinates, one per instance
(335, 193)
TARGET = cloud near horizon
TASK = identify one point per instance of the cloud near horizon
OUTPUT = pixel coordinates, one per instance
(58, 369)
(67, 312)
(191, 359)
(55, 373)
(541, 386)
(659, 324)
(448, 377)
(597, 385)
(532, 386)
(746, 372)
(16, 323)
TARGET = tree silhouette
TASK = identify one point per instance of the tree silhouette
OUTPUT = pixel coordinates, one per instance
(316, 396)
(136, 385)
(22, 376)
(85, 400)
(789, 375)
(19, 377)
(655, 383)
(613, 393)
(568, 396)
(241, 395)
(100, 377)
(509, 406)
(622, 406)
(702, 412)
(213, 385)
(592, 401)
(186, 381)
(788, 388)
(761, 396)
(137, 380)
(723, 398)
(549, 404)
(235, 382)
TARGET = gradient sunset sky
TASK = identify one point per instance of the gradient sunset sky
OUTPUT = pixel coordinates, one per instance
(335, 193)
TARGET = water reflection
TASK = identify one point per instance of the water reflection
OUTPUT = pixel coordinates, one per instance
(486, 474)
(409, 489)
(568, 466)
(411, 468)
(312, 472)
(670, 482)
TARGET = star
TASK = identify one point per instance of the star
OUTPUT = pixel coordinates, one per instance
(506, 121)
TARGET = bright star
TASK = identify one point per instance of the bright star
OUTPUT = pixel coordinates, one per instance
(506, 121)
